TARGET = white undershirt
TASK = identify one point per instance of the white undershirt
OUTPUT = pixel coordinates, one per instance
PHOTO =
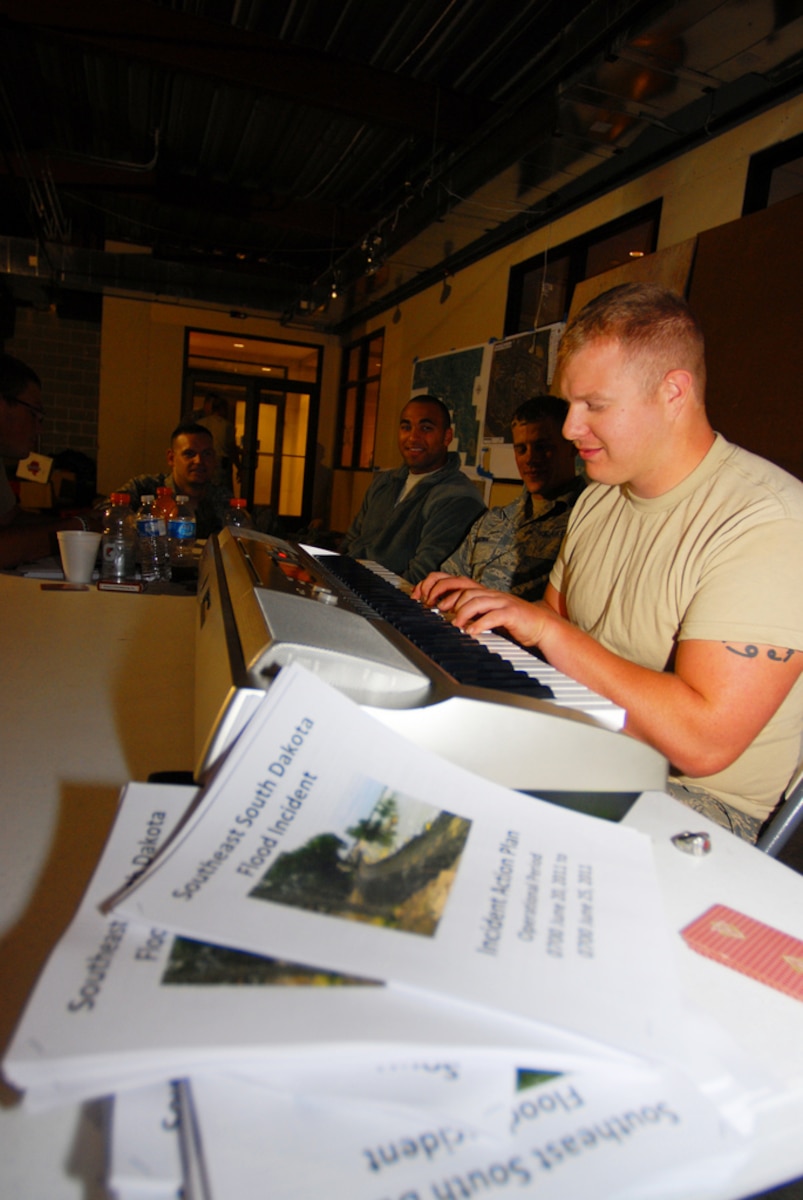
(410, 483)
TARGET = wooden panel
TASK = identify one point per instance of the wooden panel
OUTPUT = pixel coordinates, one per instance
(747, 292)
(670, 267)
(348, 490)
(504, 493)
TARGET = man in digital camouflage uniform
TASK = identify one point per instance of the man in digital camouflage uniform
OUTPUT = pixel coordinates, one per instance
(513, 548)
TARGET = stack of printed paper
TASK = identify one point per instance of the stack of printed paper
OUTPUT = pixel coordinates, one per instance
(378, 976)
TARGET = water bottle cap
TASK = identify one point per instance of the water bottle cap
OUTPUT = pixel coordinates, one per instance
(237, 502)
(145, 499)
(120, 498)
(182, 499)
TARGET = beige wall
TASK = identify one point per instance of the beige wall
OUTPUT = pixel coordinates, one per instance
(703, 189)
(142, 362)
(142, 343)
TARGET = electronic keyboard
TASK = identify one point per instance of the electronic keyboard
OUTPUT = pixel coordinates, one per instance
(485, 703)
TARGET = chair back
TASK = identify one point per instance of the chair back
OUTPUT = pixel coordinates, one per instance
(786, 818)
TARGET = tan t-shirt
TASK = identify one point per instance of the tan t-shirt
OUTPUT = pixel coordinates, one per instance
(718, 558)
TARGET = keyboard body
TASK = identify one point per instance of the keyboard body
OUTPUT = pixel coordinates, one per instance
(263, 603)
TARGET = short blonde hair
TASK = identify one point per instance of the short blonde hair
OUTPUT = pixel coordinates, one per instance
(654, 326)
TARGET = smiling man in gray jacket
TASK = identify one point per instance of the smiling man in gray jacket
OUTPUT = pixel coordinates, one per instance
(413, 517)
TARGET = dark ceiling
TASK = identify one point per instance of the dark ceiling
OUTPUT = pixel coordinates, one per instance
(270, 152)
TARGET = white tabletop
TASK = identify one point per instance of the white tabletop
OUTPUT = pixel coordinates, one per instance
(99, 691)
(765, 1022)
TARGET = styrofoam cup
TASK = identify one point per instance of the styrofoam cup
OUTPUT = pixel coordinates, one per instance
(79, 550)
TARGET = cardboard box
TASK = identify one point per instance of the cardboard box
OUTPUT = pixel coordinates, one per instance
(60, 490)
(35, 495)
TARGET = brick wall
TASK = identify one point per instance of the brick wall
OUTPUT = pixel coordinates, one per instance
(66, 356)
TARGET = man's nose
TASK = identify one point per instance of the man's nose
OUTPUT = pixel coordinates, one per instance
(572, 426)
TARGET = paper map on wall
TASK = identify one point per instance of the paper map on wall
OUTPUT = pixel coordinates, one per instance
(460, 379)
(521, 367)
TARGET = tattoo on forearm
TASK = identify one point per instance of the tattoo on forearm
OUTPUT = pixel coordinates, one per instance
(753, 652)
(784, 656)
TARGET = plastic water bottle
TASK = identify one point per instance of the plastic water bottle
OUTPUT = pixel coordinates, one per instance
(165, 507)
(152, 540)
(238, 515)
(118, 546)
(181, 535)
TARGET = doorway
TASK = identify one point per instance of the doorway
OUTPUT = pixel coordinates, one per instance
(275, 427)
(271, 391)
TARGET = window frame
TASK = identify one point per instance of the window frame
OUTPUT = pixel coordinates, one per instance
(760, 170)
(348, 457)
(577, 251)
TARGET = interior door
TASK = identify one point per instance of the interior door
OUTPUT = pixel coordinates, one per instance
(275, 431)
(272, 390)
(263, 448)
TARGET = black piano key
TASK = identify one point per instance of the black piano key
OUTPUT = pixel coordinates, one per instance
(457, 653)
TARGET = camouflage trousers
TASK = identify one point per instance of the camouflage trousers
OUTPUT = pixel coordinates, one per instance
(738, 822)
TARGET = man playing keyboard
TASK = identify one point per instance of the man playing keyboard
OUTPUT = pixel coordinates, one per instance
(677, 592)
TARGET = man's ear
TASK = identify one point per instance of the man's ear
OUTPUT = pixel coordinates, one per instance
(171, 458)
(678, 390)
(448, 434)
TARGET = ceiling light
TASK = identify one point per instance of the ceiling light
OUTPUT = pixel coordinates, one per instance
(373, 248)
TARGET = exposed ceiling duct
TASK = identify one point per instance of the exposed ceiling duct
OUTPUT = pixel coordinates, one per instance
(274, 156)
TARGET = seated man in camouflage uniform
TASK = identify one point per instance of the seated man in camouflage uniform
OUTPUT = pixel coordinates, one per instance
(513, 548)
(192, 460)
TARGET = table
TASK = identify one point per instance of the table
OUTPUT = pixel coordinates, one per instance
(769, 1023)
(99, 691)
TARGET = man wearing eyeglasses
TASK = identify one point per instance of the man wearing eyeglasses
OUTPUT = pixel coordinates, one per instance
(24, 537)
